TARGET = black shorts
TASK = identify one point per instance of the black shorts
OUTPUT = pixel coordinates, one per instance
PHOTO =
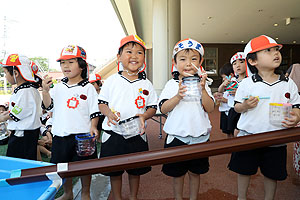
(23, 147)
(270, 160)
(224, 123)
(196, 166)
(64, 150)
(233, 118)
(118, 145)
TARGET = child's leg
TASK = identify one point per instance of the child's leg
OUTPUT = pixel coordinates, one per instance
(243, 184)
(85, 185)
(270, 188)
(68, 193)
(45, 151)
(194, 185)
(178, 187)
(38, 156)
(134, 183)
(116, 186)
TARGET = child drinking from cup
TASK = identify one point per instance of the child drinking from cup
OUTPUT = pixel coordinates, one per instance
(187, 121)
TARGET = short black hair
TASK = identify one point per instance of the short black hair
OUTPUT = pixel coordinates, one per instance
(84, 66)
(186, 51)
(3, 106)
(253, 69)
(133, 44)
(11, 69)
(226, 69)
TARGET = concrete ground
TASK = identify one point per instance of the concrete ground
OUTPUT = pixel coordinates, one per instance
(218, 183)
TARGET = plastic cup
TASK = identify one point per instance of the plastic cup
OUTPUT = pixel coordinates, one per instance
(192, 84)
(130, 127)
(86, 144)
(278, 111)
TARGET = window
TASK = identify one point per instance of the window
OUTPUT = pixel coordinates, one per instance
(210, 62)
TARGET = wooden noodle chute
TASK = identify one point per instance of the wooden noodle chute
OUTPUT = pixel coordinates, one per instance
(162, 156)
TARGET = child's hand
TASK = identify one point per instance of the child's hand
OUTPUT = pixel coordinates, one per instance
(113, 118)
(94, 132)
(203, 78)
(142, 120)
(232, 91)
(291, 121)
(181, 90)
(47, 82)
(251, 102)
(4, 116)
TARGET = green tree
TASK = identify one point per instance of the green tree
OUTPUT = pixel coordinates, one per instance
(42, 63)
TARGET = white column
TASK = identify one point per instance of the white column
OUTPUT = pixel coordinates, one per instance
(166, 32)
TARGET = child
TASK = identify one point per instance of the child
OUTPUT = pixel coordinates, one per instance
(125, 95)
(187, 121)
(231, 84)
(24, 108)
(95, 80)
(4, 133)
(252, 101)
(74, 107)
(225, 72)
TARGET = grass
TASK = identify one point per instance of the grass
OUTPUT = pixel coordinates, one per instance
(3, 149)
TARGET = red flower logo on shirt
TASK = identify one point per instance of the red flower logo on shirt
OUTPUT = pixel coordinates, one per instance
(140, 102)
(72, 103)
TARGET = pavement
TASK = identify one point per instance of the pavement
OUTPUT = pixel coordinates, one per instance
(218, 183)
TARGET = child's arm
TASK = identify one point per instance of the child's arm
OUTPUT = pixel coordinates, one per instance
(112, 117)
(94, 130)
(223, 85)
(293, 120)
(207, 102)
(247, 104)
(4, 116)
(170, 104)
(46, 87)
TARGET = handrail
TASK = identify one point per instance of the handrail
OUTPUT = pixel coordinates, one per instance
(162, 156)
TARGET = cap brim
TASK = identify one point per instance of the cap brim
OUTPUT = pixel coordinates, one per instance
(266, 47)
(66, 57)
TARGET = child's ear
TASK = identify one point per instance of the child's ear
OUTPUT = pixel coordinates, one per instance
(252, 62)
(118, 57)
(17, 73)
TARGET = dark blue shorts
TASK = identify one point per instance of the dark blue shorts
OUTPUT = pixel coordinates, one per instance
(270, 160)
(118, 145)
(64, 150)
(233, 118)
(23, 147)
(196, 166)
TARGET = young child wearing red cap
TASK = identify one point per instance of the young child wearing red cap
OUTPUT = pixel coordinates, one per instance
(127, 96)
(74, 107)
(24, 110)
(187, 122)
(253, 100)
(230, 85)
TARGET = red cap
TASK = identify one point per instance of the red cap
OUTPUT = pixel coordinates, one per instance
(72, 51)
(132, 38)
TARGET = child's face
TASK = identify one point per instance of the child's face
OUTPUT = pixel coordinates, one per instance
(132, 57)
(70, 68)
(184, 60)
(9, 77)
(239, 66)
(268, 58)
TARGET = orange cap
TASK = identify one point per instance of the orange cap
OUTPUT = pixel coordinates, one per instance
(260, 43)
(72, 51)
(132, 38)
(94, 78)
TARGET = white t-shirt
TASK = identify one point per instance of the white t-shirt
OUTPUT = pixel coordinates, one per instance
(25, 108)
(187, 118)
(126, 97)
(256, 120)
(73, 108)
